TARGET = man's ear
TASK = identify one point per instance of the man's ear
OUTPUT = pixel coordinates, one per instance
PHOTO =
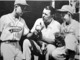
(15, 7)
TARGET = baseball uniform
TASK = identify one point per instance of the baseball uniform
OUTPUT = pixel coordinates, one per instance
(12, 29)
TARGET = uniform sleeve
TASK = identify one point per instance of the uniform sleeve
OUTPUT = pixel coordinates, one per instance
(26, 29)
(35, 24)
(0, 28)
(77, 31)
(2, 23)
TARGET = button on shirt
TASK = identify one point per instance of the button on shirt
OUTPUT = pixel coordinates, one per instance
(48, 34)
(12, 28)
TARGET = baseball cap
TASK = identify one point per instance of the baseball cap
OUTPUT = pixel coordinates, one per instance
(66, 8)
(22, 2)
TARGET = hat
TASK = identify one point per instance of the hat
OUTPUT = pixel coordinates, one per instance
(66, 8)
(22, 2)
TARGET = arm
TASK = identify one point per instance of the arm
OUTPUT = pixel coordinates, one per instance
(37, 23)
(77, 32)
(31, 35)
(0, 37)
(36, 29)
(2, 23)
(0, 29)
(26, 30)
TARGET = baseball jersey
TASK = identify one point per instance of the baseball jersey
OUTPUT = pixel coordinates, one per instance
(73, 28)
(72, 34)
(12, 28)
(48, 34)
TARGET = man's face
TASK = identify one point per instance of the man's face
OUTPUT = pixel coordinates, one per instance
(46, 15)
(66, 17)
(20, 9)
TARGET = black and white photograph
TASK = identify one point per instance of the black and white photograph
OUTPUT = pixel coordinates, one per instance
(39, 30)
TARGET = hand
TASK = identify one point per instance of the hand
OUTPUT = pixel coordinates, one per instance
(39, 27)
(29, 35)
(38, 34)
(59, 34)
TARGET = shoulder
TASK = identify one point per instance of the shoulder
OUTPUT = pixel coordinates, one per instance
(22, 21)
(76, 23)
(39, 20)
(56, 22)
(4, 17)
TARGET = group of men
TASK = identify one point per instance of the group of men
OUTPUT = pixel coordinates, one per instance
(57, 40)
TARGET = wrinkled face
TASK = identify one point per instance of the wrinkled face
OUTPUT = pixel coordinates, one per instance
(46, 15)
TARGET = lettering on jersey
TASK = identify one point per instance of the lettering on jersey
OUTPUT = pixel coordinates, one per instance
(15, 29)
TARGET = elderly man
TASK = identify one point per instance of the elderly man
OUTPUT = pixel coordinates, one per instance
(12, 27)
(71, 31)
(44, 28)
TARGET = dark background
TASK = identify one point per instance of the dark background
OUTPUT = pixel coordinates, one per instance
(36, 9)
(30, 17)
